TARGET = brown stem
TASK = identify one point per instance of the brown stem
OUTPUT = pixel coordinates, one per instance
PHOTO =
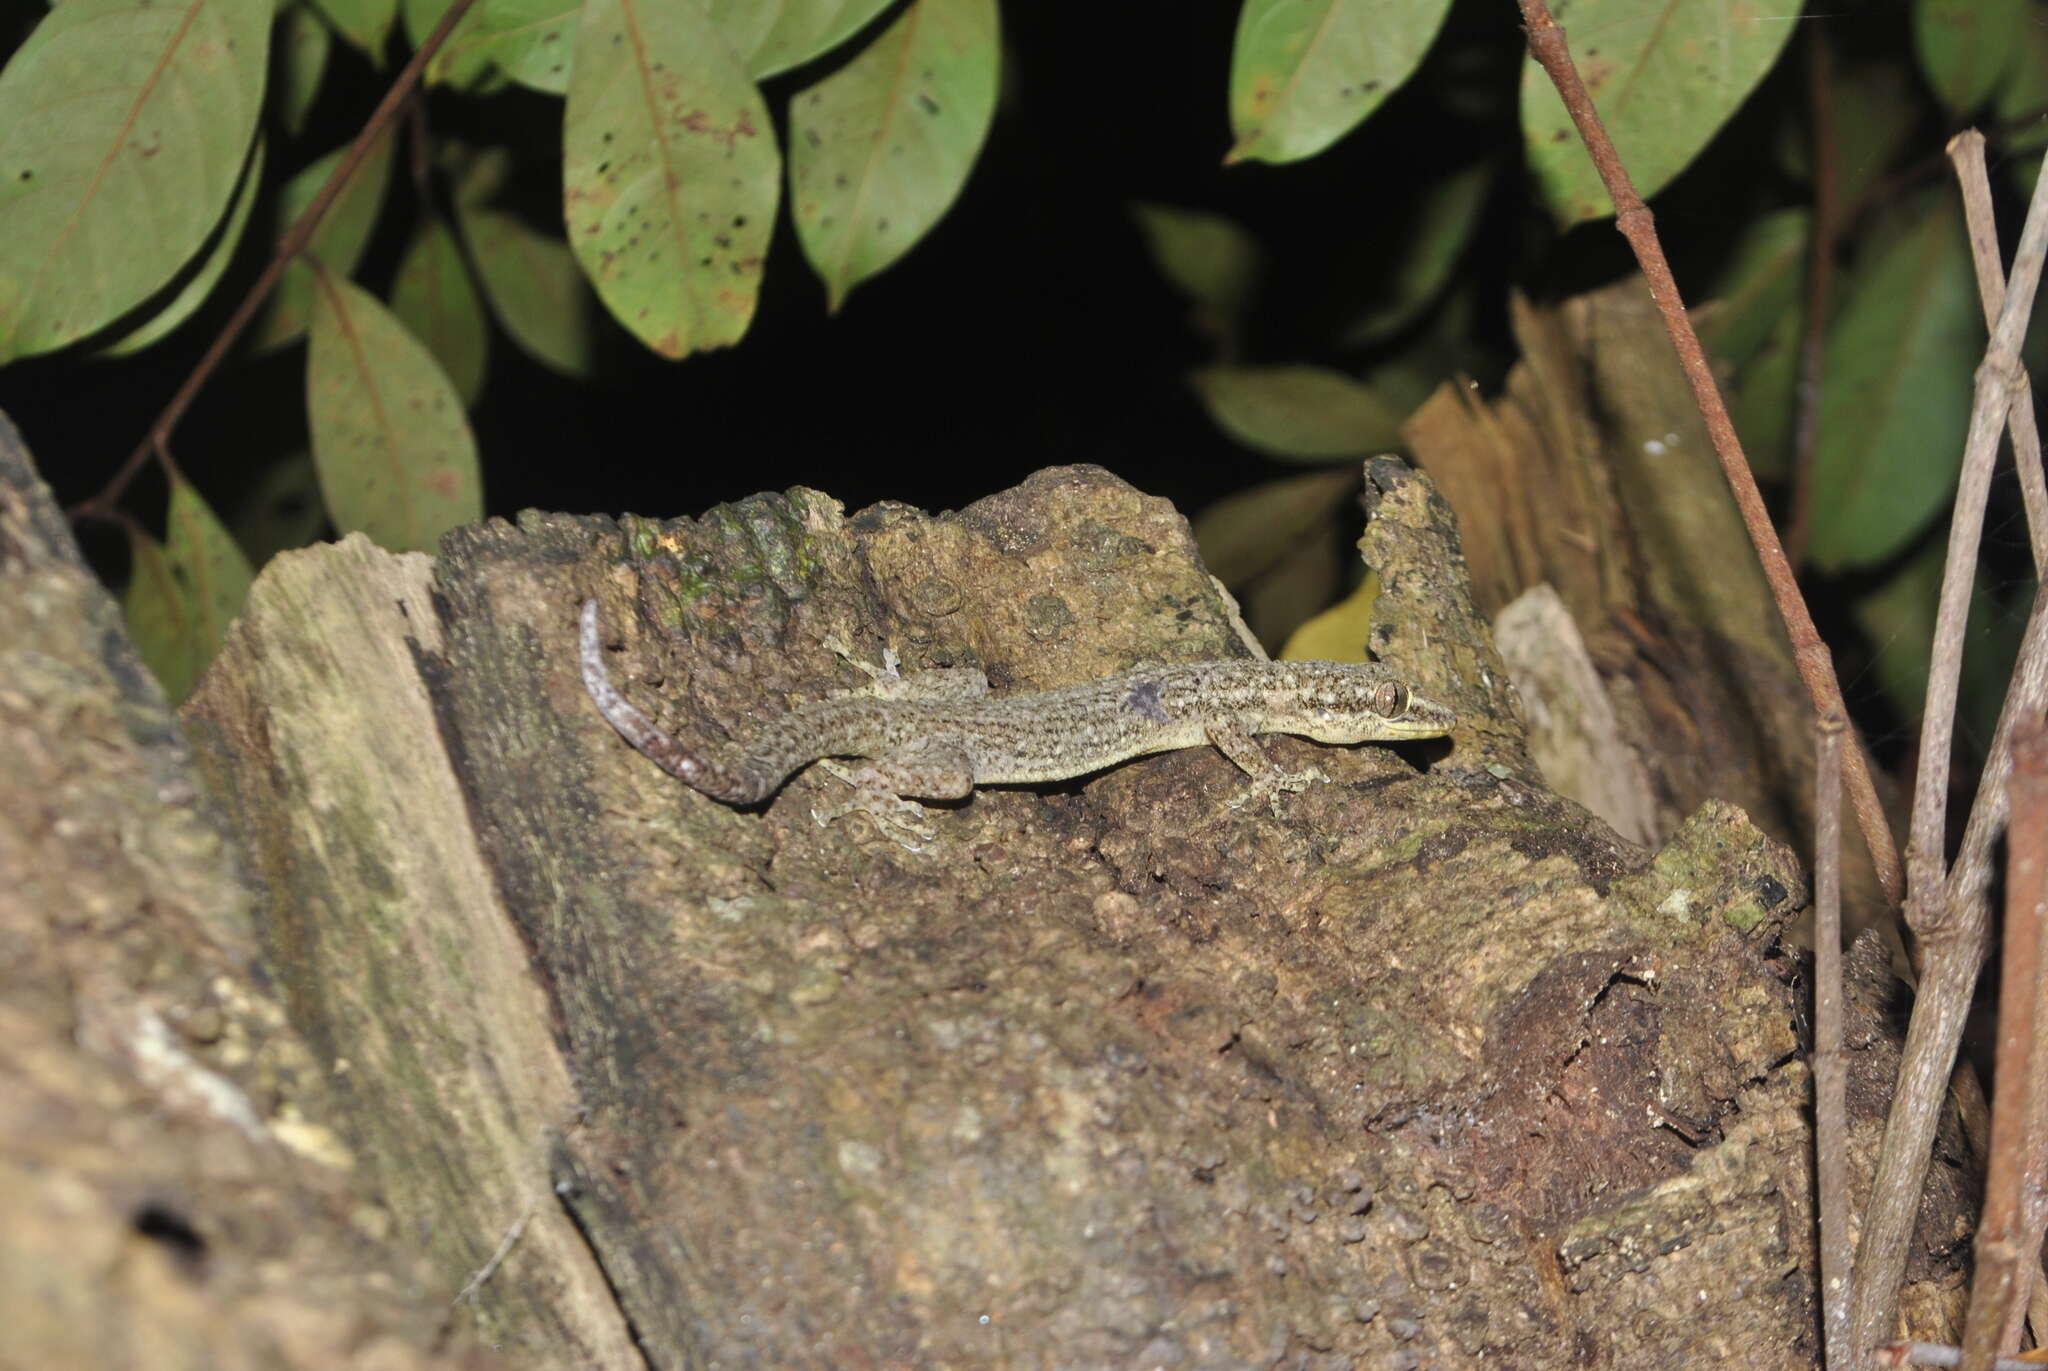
(1995, 1292)
(1966, 151)
(2034, 1185)
(1950, 958)
(1820, 277)
(1951, 918)
(294, 242)
(1940, 1354)
(1830, 1069)
(1632, 217)
(1998, 380)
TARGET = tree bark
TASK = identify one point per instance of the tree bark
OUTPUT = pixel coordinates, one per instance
(1430, 1068)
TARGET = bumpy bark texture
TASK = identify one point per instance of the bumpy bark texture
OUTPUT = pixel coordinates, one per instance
(173, 1190)
(1430, 1069)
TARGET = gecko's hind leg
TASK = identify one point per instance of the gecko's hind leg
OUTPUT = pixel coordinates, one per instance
(933, 772)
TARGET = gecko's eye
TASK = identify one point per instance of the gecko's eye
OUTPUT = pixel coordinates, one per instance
(1390, 699)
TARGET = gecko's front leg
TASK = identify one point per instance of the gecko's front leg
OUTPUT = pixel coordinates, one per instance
(1269, 780)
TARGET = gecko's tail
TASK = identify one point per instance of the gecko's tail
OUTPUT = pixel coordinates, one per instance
(699, 773)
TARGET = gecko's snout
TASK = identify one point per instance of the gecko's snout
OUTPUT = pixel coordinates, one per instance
(1424, 718)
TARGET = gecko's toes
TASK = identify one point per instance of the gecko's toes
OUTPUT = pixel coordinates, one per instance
(1269, 789)
(900, 821)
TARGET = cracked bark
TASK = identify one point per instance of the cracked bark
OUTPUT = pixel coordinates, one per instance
(1431, 1068)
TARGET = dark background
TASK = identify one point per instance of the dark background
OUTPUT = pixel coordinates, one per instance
(1031, 327)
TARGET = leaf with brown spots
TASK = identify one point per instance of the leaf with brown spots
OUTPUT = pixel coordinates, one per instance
(669, 174)
(530, 41)
(880, 149)
(1664, 76)
(1304, 74)
(123, 130)
(199, 280)
(391, 444)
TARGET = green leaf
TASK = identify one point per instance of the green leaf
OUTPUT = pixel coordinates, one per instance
(182, 597)
(160, 616)
(205, 557)
(479, 174)
(463, 61)
(1299, 412)
(1755, 327)
(199, 285)
(775, 37)
(1763, 281)
(2023, 109)
(1664, 77)
(880, 149)
(1245, 534)
(124, 128)
(1898, 619)
(1207, 257)
(535, 288)
(1966, 47)
(1433, 240)
(280, 509)
(338, 243)
(1896, 387)
(669, 174)
(1305, 72)
(394, 453)
(303, 51)
(1877, 116)
(1762, 397)
(530, 41)
(433, 296)
(365, 23)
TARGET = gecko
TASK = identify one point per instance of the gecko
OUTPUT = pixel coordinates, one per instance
(936, 735)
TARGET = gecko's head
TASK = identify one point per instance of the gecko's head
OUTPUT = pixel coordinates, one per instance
(1376, 709)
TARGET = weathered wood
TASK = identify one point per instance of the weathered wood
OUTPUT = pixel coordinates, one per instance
(174, 1195)
(1431, 1069)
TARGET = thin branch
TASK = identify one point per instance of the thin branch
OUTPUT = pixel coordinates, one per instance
(1942, 1004)
(511, 1237)
(1999, 379)
(2034, 1185)
(1951, 919)
(1966, 151)
(156, 441)
(1830, 1069)
(1996, 1289)
(1820, 278)
(1941, 1354)
(1633, 218)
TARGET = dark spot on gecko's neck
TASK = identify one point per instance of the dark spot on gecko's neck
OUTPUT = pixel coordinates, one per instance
(1145, 700)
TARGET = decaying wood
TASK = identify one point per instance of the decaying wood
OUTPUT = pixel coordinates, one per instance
(1590, 474)
(1432, 1069)
(174, 1189)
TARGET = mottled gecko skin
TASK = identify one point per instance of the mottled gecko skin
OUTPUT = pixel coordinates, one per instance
(936, 735)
